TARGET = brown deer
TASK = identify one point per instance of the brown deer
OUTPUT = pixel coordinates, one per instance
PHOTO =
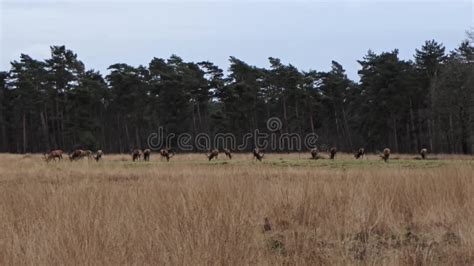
(53, 155)
(228, 154)
(77, 155)
(423, 153)
(314, 153)
(360, 153)
(266, 225)
(258, 154)
(213, 155)
(166, 153)
(332, 153)
(146, 154)
(98, 155)
(385, 155)
(136, 154)
(89, 154)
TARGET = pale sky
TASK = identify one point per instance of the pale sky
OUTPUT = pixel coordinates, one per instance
(307, 34)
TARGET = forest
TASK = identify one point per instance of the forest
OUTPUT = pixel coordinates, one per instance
(426, 102)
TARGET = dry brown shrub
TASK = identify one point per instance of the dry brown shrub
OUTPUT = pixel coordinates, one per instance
(193, 212)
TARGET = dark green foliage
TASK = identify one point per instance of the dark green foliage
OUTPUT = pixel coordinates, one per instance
(404, 105)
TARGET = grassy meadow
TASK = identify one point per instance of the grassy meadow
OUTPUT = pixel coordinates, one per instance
(194, 212)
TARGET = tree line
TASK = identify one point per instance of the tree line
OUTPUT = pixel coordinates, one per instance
(407, 105)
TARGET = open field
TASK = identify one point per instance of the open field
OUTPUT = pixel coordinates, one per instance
(191, 211)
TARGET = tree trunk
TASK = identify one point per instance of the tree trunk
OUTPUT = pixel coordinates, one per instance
(297, 118)
(137, 138)
(337, 127)
(119, 127)
(448, 139)
(413, 136)
(395, 133)
(435, 135)
(102, 132)
(421, 136)
(430, 133)
(194, 122)
(127, 135)
(61, 128)
(199, 118)
(4, 137)
(346, 125)
(432, 87)
(285, 117)
(463, 120)
(45, 130)
(56, 124)
(451, 133)
(25, 143)
(311, 122)
(408, 137)
(3, 131)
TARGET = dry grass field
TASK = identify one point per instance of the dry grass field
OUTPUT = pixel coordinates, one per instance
(193, 212)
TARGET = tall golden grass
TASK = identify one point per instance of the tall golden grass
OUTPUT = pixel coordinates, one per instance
(192, 212)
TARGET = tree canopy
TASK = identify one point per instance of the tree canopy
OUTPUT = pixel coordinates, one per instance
(427, 102)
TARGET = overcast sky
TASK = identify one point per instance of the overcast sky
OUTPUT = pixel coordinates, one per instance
(307, 34)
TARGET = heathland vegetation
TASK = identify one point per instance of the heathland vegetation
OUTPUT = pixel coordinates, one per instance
(287, 209)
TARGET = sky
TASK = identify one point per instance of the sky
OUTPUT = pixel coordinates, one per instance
(307, 34)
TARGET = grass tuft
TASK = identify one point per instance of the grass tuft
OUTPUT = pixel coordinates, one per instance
(194, 212)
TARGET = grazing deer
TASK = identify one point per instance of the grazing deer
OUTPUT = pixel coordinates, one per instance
(386, 154)
(228, 154)
(146, 154)
(136, 154)
(314, 153)
(360, 153)
(53, 155)
(166, 153)
(258, 154)
(266, 225)
(332, 153)
(89, 154)
(77, 155)
(213, 155)
(423, 153)
(98, 155)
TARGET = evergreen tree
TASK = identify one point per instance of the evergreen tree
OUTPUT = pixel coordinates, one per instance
(404, 105)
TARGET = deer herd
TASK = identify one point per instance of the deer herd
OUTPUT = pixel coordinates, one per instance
(74, 156)
(167, 153)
